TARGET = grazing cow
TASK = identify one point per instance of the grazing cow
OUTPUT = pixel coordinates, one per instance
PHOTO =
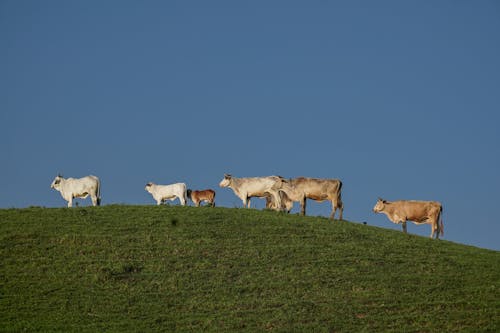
(302, 188)
(198, 197)
(418, 212)
(162, 193)
(245, 188)
(71, 188)
(286, 202)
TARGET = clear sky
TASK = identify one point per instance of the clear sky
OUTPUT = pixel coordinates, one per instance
(398, 99)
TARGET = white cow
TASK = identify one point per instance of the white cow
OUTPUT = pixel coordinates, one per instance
(78, 188)
(261, 187)
(167, 192)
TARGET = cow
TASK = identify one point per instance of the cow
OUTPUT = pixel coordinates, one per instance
(418, 212)
(71, 188)
(162, 193)
(286, 202)
(302, 188)
(198, 197)
(245, 188)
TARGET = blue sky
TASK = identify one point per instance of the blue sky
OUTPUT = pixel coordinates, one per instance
(398, 99)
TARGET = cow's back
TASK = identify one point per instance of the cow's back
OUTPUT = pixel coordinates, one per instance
(178, 188)
(210, 194)
(258, 184)
(316, 188)
(168, 190)
(203, 194)
(83, 184)
(417, 210)
(93, 179)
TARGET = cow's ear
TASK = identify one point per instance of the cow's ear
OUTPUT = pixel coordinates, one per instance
(227, 176)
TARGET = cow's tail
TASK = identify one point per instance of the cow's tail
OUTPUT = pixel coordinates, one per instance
(98, 192)
(340, 204)
(441, 226)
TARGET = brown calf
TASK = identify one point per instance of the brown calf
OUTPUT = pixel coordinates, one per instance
(198, 197)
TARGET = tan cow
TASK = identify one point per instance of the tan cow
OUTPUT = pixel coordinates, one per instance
(286, 202)
(198, 197)
(302, 188)
(245, 188)
(418, 212)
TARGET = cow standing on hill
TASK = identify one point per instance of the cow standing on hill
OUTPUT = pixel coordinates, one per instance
(198, 197)
(71, 188)
(261, 187)
(418, 212)
(286, 202)
(302, 188)
(167, 192)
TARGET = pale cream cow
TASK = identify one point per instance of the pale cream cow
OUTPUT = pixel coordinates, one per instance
(71, 188)
(162, 193)
(245, 188)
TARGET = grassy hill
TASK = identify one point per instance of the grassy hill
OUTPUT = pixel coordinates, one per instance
(148, 268)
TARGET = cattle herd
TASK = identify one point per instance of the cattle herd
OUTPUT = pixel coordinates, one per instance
(280, 194)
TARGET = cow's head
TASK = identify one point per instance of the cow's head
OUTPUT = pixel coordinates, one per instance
(56, 183)
(148, 186)
(226, 181)
(286, 202)
(379, 206)
(291, 192)
(188, 193)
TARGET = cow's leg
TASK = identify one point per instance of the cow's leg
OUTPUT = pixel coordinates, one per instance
(268, 202)
(70, 202)
(334, 209)
(435, 229)
(341, 209)
(303, 206)
(336, 204)
(94, 200)
(404, 227)
(245, 200)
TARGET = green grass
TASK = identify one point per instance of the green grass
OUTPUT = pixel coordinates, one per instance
(148, 268)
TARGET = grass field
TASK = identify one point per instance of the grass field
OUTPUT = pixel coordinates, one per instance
(147, 268)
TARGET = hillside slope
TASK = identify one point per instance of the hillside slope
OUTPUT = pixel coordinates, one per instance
(148, 268)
